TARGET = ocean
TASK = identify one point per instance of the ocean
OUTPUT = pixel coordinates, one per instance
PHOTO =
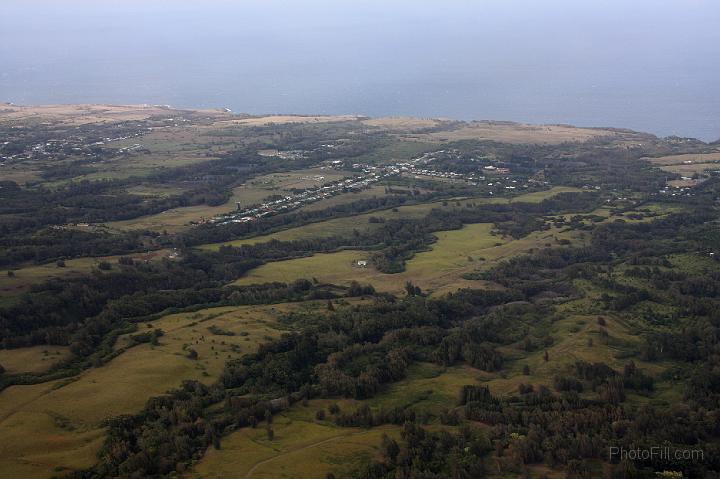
(648, 65)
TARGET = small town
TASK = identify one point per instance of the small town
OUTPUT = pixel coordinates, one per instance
(371, 174)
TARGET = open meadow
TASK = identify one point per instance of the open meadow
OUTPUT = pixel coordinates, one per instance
(56, 426)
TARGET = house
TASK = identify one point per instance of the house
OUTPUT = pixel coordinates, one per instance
(361, 263)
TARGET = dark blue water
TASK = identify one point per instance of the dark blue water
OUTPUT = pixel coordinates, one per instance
(650, 65)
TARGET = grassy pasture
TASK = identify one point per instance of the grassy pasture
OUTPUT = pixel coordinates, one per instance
(34, 359)
(244, 329)
(65, 415)
(428, 387)
(301, 448)
(35, 447)
(438, 270)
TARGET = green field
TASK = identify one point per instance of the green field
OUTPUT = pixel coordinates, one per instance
(57, 424)
(33, 359)
(301, 448)
(438, 270)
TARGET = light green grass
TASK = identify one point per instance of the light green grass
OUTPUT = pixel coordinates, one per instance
(438, 270)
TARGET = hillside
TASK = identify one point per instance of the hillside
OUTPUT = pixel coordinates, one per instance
(193, 293)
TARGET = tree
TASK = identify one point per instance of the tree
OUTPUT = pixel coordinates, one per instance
(60, 263)
(526, 370)
(546, 356)
(389, 448)
(126, 261)
(412, 290)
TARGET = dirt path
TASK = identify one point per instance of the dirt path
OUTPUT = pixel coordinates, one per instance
(303, 448)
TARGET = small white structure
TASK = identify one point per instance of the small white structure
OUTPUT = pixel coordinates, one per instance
(362, 263)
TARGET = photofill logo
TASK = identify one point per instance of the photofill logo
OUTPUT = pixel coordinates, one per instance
(656, 453)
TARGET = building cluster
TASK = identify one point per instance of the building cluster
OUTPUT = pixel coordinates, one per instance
(310, 195)
(74, 146)
(367, 175)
